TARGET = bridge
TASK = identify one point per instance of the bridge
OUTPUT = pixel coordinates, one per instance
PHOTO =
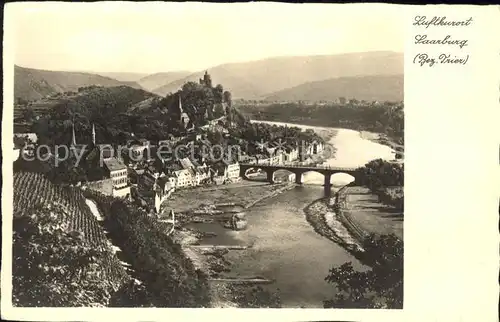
(298, 170)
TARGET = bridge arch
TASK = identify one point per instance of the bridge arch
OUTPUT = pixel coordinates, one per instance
(254, 173)
(314, 177)
(285, 175)
(340, 179)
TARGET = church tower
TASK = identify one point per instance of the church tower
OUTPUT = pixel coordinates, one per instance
(184, 118)
(93, 134)
(73, 139)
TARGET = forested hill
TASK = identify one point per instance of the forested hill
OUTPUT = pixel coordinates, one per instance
(109, 108)
(33, 84)
(368, 88)
(120, 113)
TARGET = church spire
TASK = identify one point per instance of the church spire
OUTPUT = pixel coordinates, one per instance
(73, 139)
(93, 133)
(180, 105)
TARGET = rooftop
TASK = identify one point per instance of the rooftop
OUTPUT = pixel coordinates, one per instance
(114, 164)
(186, 163)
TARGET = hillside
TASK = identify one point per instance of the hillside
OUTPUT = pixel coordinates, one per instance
(38, 204)
(116, 99)
(369, 88)
(253, 80)
(33, 84)
(153, 81)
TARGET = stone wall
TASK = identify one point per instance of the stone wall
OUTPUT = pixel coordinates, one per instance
(103, 186)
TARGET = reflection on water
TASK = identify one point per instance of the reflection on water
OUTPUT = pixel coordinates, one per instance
(285, 246)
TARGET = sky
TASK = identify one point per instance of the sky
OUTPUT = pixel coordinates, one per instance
(159, 37)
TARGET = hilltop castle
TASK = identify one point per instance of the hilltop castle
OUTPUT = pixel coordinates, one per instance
(206, 80)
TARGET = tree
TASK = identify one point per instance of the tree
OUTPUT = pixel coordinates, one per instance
(196, 99)
(219, 93)
(28, 114)
(256, 297)
(227, 98)
(54, 265)
(380, 287)
(219, 110)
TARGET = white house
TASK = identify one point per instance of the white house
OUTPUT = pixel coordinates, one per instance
(317, 147)
(292, 153)
(118, 172)
(163, 188)
(232, 170)
(183, 178)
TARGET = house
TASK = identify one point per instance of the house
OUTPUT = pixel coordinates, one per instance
(183, 178)
(202, 172)
(141, 150)
(244, 158)
(182, 173)
(305, 150)
(218, 173)
(232, 170)
(317, 147)
(291, 153)
(150, 175)
(262, 159)
(163, 188)
(277, 158)
(118, 172)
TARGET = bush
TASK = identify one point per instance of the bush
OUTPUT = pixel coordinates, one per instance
(55, 266)
(168, 275)
(380, 287)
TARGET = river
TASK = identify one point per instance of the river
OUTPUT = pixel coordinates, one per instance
(285, 246)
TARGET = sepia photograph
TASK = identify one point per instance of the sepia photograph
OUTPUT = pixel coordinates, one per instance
(196, 155)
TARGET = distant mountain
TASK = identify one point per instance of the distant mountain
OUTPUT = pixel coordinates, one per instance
(369, 88)
(33, 84)
(124, 77)
(256, 79)
(154, 81)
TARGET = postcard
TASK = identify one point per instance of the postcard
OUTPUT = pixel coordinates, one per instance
(216, 161)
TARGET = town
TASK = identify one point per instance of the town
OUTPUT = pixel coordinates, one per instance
(149, 172)
(161, 165)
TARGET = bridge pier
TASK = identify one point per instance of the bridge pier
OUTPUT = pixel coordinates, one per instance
(328, 185)
(298, 178)
(270, 177)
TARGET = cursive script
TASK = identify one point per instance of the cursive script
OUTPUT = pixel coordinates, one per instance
(440, 21)
(423, 40)
(450, 42)
(426, 60)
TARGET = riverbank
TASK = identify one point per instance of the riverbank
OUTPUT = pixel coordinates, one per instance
(380, 139)
(244, 194)
(363, 208)
(210, 259)
(324, 220)
(350, 216)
